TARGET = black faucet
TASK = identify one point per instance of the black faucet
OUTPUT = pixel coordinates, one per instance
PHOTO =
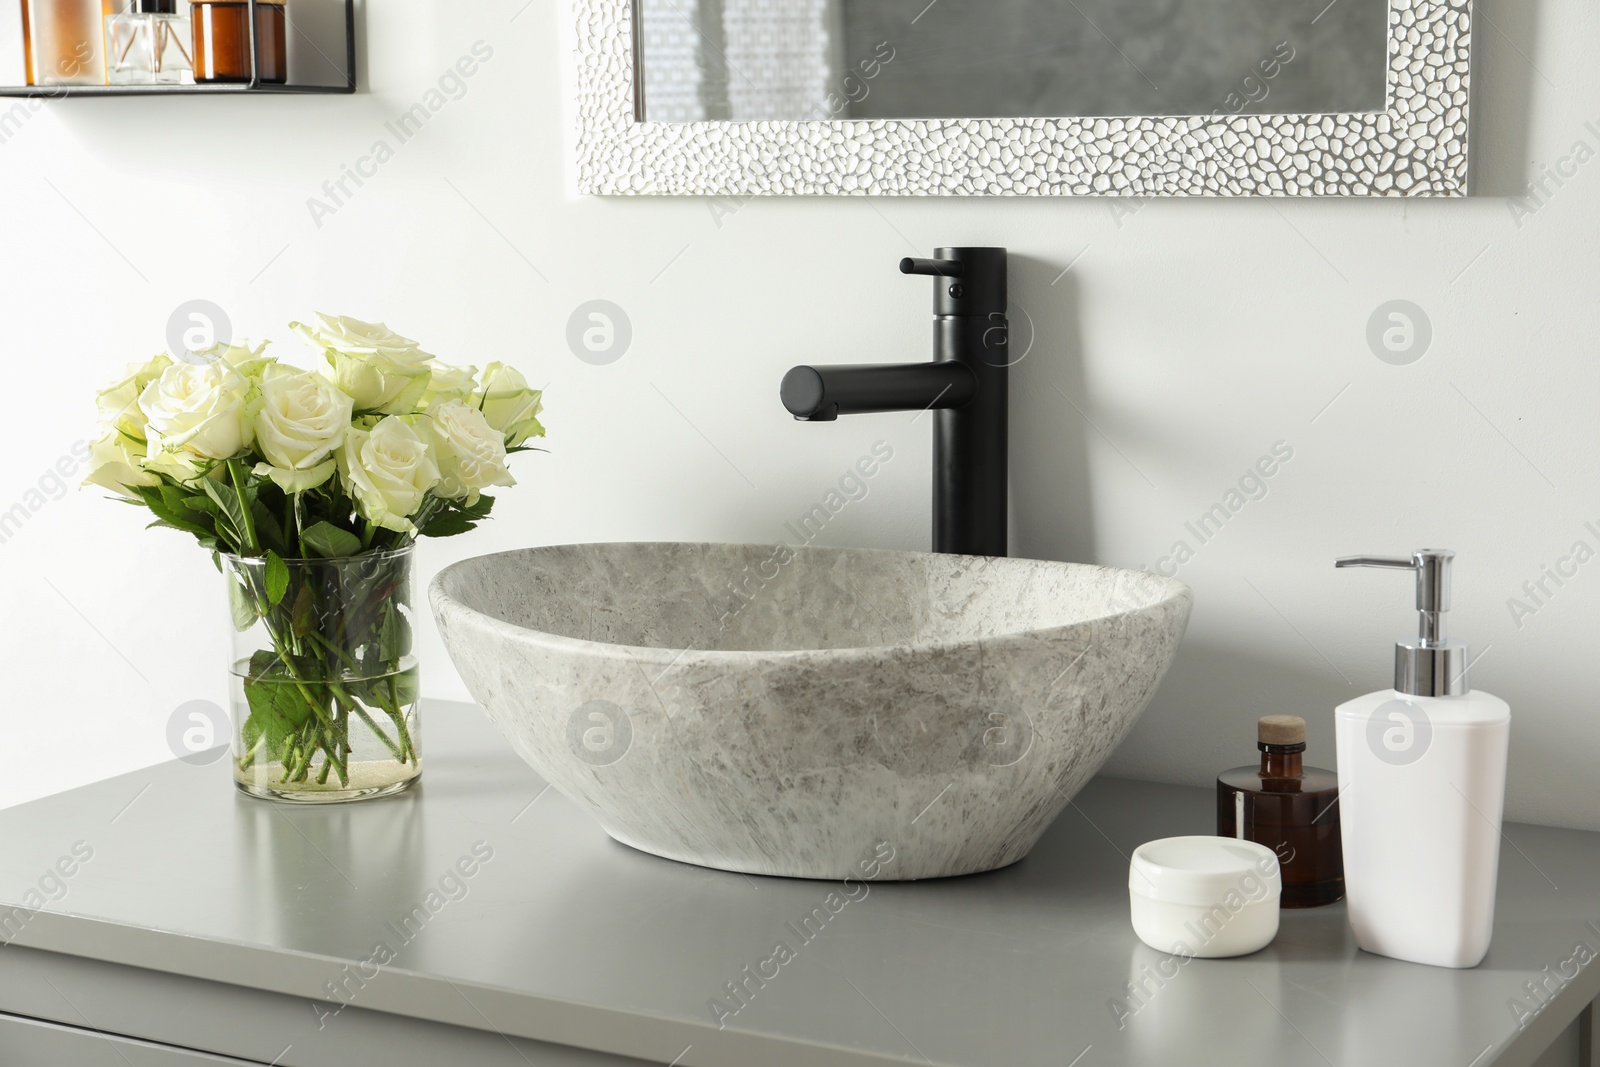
(964, 386)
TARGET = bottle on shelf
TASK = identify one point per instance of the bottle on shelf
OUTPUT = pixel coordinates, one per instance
(63, 42)
(222, 41)
(147, 43)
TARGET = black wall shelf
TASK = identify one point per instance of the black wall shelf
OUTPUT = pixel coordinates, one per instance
(50, 92)
(253, 86)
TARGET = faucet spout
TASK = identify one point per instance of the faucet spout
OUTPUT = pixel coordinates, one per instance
(965, 387)
(822, 394)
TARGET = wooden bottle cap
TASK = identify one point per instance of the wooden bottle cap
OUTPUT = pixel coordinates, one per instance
(1281, 730)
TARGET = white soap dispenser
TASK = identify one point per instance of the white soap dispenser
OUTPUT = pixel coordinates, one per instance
(1422, 768)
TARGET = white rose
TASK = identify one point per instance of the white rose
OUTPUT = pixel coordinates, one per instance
(114, 463)
(388, 469)
(241, 357)
(509, 405)
(303, 418)
(472, 454)
(119, 401)
(380, 370)
(449, 383)
(194, 413)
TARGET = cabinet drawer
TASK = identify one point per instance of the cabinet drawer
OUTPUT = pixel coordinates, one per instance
(176, 1015)
(28, 1042)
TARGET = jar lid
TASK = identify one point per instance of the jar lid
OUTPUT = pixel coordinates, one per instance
(1204, 871)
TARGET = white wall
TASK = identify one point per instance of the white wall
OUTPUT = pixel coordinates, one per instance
(1187, 338)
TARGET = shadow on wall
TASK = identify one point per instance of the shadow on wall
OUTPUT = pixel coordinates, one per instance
(1052, 514)
(1203, 721)
(1503, 78)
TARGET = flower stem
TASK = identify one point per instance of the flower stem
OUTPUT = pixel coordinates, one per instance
(392, 708)
(378, 730)
(405, 748)
(244, 506)
(293, 752)
(249, 758)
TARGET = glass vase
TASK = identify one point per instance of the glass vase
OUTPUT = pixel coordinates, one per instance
(323, 680)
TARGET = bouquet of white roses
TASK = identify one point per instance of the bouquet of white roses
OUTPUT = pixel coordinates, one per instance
(276, 469)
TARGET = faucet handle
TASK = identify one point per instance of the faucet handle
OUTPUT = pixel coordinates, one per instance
(967, 281)
(939, 268)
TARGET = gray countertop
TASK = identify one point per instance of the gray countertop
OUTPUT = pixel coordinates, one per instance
(565, 936)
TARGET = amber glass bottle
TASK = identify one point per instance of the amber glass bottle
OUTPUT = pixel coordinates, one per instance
(1290, 808)
(221, 31)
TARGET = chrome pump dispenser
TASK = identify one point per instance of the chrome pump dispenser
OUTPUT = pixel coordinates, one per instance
(1423, 773)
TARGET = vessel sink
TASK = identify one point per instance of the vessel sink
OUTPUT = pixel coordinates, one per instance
(810, 712)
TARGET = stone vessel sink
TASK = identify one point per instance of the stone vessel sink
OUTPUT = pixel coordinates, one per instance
(808, 712)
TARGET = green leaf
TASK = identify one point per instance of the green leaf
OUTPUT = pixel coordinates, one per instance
(268, 531)
(406, 688)
(395, 690)
(243, 605)
(326, 539)
(278, 706)
(230, 521)
(394, 634)
(303, 616)
(176, 523)
(171, 512)
(448, 524)
(458, 518)
(277, 578)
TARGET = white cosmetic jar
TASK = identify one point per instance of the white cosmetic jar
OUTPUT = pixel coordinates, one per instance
(1206, 897)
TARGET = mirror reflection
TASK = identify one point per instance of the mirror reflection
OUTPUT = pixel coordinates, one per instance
(750, 60)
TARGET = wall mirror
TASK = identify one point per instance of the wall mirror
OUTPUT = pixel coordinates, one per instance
(1024, 97)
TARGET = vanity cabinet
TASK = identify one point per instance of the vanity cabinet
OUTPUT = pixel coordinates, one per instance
(173, 923)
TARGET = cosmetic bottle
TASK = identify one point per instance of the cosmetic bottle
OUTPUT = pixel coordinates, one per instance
(222, 41)
(1291, 809)
(64, 42)
(147, 43)
(1424, 771)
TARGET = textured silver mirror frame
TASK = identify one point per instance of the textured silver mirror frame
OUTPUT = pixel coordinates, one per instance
(1416, 147)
